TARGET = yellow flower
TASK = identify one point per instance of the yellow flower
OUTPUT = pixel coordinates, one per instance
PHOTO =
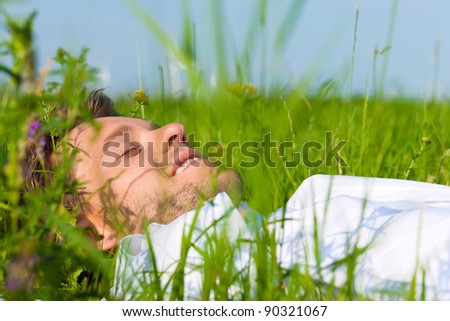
(446, 154)
(140, 97)
(426, 140)
(40, 91)
(242, 89)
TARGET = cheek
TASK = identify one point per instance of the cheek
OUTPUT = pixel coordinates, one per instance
(136, 183)
(90, 178)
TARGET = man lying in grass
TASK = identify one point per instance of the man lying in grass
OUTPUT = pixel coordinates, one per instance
(182, 233)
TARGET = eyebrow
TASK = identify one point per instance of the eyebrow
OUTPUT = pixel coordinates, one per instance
(117, 132)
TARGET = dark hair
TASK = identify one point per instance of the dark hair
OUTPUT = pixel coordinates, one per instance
(38, 162)
(100, 105)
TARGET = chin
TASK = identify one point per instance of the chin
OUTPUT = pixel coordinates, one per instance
(191, 193)
(230, 181)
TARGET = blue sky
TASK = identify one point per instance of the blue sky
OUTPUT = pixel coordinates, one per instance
(320, 44)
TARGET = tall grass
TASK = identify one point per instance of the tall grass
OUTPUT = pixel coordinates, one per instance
(395, 137)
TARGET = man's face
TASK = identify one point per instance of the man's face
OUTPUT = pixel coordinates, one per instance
(135, 172)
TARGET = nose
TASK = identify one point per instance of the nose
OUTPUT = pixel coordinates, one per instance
(174, 134)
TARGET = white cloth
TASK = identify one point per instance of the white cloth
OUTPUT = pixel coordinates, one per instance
(403, 227)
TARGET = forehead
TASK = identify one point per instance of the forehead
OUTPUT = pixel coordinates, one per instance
(101, 128)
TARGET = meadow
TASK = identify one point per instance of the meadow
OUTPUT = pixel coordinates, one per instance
(44, 256)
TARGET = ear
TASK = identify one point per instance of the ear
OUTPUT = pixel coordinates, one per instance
(98, 231)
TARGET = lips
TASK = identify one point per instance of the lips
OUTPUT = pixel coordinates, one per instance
(183, 161)
(185, 165)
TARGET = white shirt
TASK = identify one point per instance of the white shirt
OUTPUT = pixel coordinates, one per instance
(403, 227)
(134, 258)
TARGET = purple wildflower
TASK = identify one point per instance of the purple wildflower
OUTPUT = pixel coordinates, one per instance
(42, 142)
(34, 126)
(41, 148)
(20, 273)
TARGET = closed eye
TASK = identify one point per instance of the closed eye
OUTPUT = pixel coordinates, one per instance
(132, 151)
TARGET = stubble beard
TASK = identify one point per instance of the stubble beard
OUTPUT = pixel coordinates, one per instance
(166, 208)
